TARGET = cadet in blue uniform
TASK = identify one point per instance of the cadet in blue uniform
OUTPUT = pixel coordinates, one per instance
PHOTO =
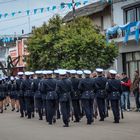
(100, 86)
(114, 90)
(86, 86)
(2, 95)
(13, 93)
(44, 93)
(64, 88)
(75, 96)
(37, 95)
(20, 93)
(56, 74)
(26, 87)
(49, 85)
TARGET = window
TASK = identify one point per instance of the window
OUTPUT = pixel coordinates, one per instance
(138, 13)
(132, 14)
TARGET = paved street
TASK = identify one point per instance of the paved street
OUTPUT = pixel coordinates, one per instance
(12, 127)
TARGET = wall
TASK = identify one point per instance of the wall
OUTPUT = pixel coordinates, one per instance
(118, 11)
(106, 13)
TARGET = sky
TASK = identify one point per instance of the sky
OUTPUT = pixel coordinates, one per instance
(14, 25)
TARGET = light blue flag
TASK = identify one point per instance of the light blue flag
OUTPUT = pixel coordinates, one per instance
(85, 2)
(35, 11)
(5, 15)
(69, 5)
(13, 14)
(137, 32)
(54, 8)
(41, 10)
(28, 12)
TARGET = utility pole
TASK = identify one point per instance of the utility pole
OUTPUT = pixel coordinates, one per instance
(73, 8)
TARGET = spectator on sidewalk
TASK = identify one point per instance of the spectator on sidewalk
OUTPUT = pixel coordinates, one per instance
(135, 89)
(125, 97)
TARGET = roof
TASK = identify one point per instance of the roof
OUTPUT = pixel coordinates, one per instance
(86, 10)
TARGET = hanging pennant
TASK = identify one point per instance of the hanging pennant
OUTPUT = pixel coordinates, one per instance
(48, 8)
(19, 12)
(85, 2)
(69, 5)
(62, 6)
(54, 8)
(35, 11)
(5, 15)
(41, 10)
(13, 14)
(28, 12)
(77, 4)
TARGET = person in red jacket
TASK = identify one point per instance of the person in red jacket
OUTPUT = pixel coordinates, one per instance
(125, 99)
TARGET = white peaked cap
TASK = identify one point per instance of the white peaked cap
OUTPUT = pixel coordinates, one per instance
(87, 72)
(62, 72)
(56, 71)
(49, 72)
(32, 73)
(38, 72)
(11, 78)
(44, 72)
(72, 71)
(99, 70)
(79, 72)
(20, 73)
(113, 71)
(27, 73)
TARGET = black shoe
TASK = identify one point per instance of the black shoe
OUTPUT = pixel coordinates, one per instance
(28, 117)
(116, 121)
(50, 123)
(40, 118)
(101, 120)
(17, 111)
(54, 120)
(13, 109)
(88, 123)
(5, 108)
(33, 115)
(66, 125)
(76, 121)
(21, 116)
(7, 105)
(1, 111)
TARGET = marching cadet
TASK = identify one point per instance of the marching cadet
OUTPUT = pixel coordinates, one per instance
(49, 86)
(56, 77)
(114, 93)
(20, 93)
(63, 89)
(26, 87)
(37, 94)
(75, 96)
(13, 93)
(79, 74)
(6, 99)
(43, 93)
(86, 86)
(2, 95)
(100, 85)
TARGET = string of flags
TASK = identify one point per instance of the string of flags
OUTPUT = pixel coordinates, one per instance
(47, 9)
(8, 39)
(131, 28)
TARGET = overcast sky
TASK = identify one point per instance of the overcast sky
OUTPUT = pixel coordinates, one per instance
(11, 25)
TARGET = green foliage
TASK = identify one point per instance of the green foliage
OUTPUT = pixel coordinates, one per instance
(74, 45)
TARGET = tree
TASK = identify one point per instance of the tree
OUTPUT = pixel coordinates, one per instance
(74, 45)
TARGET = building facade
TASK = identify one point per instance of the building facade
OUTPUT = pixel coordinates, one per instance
(127, 11)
